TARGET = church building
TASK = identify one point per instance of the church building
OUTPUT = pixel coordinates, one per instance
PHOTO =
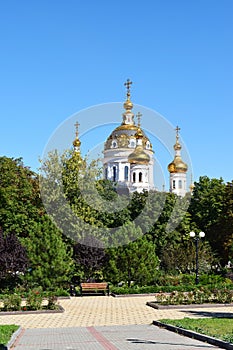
(128, 156)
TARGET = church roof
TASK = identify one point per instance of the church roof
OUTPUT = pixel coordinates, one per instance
(123, 135)
(177, 165)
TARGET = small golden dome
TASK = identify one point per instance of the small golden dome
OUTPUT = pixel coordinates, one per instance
(177, 166)
(76, 143)
(177, 146)
(139, 133)
(128, 105)
(139, 156)
(192, 186)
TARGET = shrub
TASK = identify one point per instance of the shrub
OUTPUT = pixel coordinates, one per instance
(52, 300)
(61, 292)
(34, 299)
(12, 302)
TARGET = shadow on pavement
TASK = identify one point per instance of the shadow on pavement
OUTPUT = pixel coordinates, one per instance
(210, 313)
(152, 342)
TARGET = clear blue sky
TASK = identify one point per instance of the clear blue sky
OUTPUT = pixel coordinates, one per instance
(59, 57)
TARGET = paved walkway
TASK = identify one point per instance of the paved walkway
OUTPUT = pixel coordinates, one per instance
(105, 311)
(101, 318)
(131, 337)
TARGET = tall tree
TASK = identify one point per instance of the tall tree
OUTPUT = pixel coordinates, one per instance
(135, 261)
(207, 202)
(20, 202)
(221, 232)
(50, 260)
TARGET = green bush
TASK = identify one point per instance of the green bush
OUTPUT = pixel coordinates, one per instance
(52, 300)
(12, 302)
(197, 296)
(34, 299)
(181, 283)
(61, 292)
(149, 289)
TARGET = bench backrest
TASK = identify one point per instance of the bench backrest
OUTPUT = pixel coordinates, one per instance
(94, 285)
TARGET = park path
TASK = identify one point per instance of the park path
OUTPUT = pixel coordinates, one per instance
(106, 323)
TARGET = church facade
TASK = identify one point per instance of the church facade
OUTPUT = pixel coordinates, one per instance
(128, 156)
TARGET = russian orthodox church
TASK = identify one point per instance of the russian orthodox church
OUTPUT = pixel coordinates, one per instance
(128, 156)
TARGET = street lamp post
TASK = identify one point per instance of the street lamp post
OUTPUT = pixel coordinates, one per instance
(196, 238)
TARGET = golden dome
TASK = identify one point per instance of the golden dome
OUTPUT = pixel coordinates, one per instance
(123, 135)
(77, 143)
(139, 134)
(177, 166)
(128, 105)
(192, 186)
(139, 156)
(177, 146)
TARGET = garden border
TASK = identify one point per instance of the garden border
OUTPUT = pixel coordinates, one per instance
(157, 306)
(26, 312)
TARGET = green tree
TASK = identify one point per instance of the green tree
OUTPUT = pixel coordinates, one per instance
(135, 261)
(50, 261)
(207, 202)
(20, 203)
(221, 232)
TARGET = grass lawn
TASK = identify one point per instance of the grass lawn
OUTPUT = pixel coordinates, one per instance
(220, 328)
(6, 332)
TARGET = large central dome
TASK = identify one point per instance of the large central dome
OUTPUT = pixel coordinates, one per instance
(124, 136)
(128, 155)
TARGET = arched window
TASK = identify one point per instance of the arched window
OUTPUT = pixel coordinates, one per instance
(134, 177)
(180, 184)
(140, 177)
(132, 143)
(173, 184)
(106, 173)
(114, 144)
(114, 174)
(126, 173)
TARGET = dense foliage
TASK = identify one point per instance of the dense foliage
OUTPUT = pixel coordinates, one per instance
(13, 260)
(101, 235)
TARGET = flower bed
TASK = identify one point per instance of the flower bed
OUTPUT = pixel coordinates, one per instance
(197, 296)
(33, 302)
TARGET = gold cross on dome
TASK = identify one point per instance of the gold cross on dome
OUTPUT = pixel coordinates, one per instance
(76, 128)
(127, 84)
(139, 115)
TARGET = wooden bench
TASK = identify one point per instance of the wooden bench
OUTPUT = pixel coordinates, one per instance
(94, 287)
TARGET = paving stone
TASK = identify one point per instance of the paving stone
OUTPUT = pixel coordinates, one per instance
(124, 323)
